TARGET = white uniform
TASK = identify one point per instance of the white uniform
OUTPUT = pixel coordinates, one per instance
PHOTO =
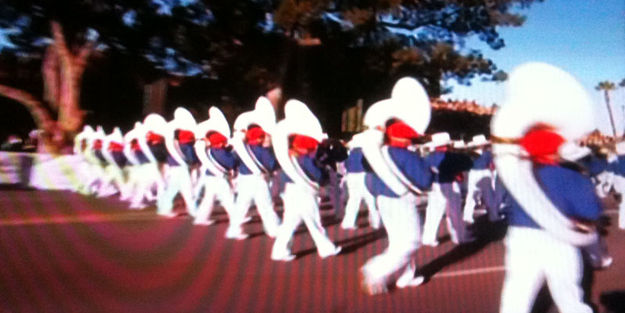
(301, 194)
(398, 175)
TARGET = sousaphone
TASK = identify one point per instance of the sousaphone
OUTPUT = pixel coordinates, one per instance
(264, 116)
(539, 93)
(298, 120)
(183, 119)
(409, 103)
(216, 122)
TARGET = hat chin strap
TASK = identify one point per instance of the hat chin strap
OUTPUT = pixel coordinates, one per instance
(518, 177)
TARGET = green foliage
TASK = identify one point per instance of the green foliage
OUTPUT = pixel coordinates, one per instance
(606, 86)
(242, 48)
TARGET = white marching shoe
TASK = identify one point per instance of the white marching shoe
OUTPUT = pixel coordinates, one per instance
(332, 252)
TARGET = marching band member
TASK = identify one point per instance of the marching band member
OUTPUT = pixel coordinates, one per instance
(90, 167)
(479, 178)
(257, 163)
(330, 154)
(445, 196)
(153, 132)
(553, 207)
(132, 168)
(618, 181)
(398, 174)
(179, 140)
(356, 187)
(95, 147)
(113, 152)
(295, 140)
(218, 163)
(144, 172)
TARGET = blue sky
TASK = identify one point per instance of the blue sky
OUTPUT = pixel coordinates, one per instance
(583, 37)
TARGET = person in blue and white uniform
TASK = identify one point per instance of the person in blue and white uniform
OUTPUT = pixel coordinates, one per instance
(445, 197)
(218, 164)
(618, 180)
(173, 143)
(257, 163)
(295, 140)
(113, 153)
(96, 146)
(480, 177)
(356, 188)
(143, 171)
(90, 167)
(554, 208)
(399, 174)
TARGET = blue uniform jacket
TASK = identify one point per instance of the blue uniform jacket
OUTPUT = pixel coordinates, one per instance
(188, 155)
(595, 165)
(119, 157)
(448, 165)
(570, 191)
(483, 161)
(412, 166)
(310, 168)
(264, 155)
(619, 165)
(100, 156)
(140, 156)
(354, 161)
(224, 157)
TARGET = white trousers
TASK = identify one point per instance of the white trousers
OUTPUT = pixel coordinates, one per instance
(402, 225)
(472, 192)
(94, 174)
(434, 211)
(357, 191)
(177, 180)
(301, 205)
(619, 186)
(218, 188)
(533, 257)
(605, 181)
(142, 177)
(255, 189)
(113, 175)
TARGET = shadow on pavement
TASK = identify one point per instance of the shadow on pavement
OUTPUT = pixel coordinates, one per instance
(613, 301)
(485, 233)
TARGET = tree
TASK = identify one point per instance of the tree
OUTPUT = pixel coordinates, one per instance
(606, 87)
(63, 35)
(326, 52)
(425, 39)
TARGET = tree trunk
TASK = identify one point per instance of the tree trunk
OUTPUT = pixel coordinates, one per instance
(607, 103)
(72, 67)
(62, 76)
(51, 138)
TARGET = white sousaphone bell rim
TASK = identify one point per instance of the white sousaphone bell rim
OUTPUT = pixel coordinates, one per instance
(357, 141)
(302, 120)
(155, 122)
(183, 119)
(219, 123)
(116, 136)
(265, 114)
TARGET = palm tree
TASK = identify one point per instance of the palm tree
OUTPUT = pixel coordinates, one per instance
(608, 86)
